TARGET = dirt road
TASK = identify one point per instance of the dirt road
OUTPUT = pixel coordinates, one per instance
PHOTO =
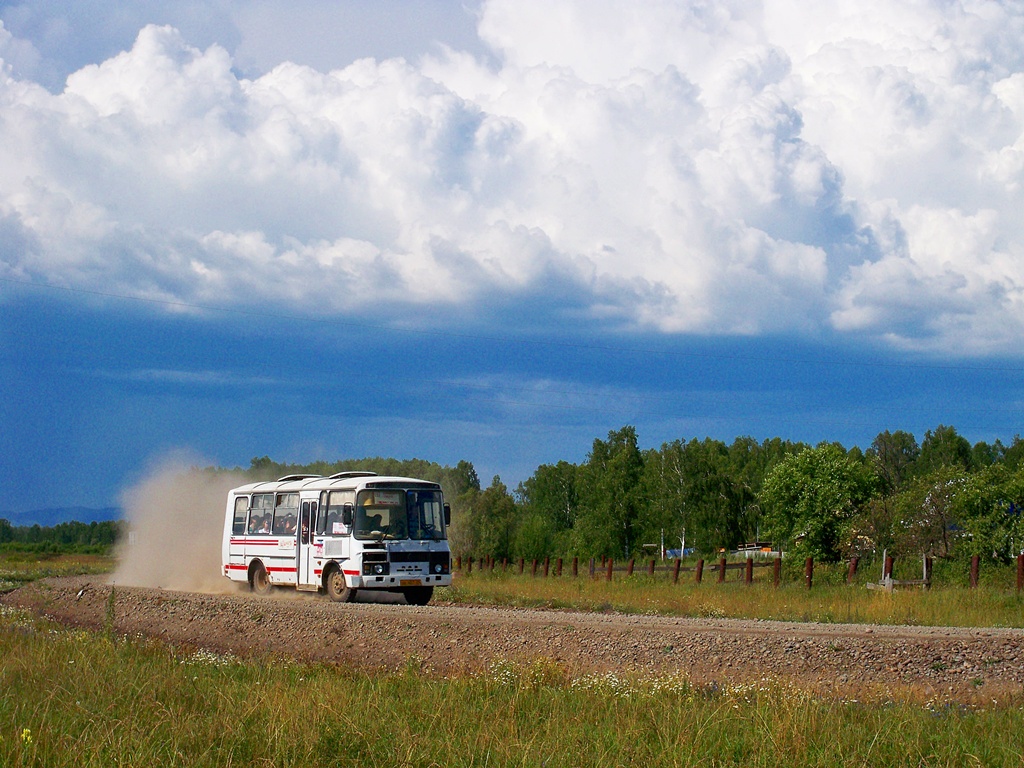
(449, 639)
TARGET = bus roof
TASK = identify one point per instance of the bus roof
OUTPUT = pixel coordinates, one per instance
(344, 481)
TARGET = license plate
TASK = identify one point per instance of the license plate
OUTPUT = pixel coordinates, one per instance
(409, 582)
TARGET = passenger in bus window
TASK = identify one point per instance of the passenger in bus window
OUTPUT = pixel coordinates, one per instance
(289, 524)
(265, 525)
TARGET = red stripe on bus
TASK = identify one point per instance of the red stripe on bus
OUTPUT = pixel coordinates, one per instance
(351, 573)
(280, 570)
(260, 542)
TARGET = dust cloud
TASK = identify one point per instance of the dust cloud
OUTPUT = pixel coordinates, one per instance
(175, 518)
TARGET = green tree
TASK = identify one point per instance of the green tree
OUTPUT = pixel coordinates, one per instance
(664, 488)
(988, 509)
(1013, 454)
(494, 516)
(610, 496)
(986, 454)
(944, 447)
(534, 537)
(809, 499)
(714, 499)
(893, 455)
(552, 493)
(463, 478)
(926, 513)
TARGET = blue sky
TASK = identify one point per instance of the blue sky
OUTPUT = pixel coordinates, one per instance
(495, 231)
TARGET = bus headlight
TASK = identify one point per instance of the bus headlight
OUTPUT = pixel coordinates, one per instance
(375, 568)
(437, 567)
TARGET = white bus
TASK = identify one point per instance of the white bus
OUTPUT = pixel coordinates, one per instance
(340, 534)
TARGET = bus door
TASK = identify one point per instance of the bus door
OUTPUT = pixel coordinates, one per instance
(304, 550)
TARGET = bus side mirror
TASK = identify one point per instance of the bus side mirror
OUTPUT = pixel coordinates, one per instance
(447, 514)
(346, 515)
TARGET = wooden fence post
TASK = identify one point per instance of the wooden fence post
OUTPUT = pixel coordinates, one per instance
(458, 563)
(629, 568)
(748, 575)
(547, 565)
(887, 567)
(699, 573)
(650, 568)
(1020, 572)
(610, 564)
(533, 568)
(675, 571)
(469, 565)
(592, 568)
(777, 572)
(721, 570)
(927, 572)
(521, 564)
(558, 567)
(504, 564)
(575, 567)
(851, 571)
(809, 571)
(975, 564)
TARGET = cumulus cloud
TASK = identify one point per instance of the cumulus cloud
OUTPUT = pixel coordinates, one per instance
(675, 166)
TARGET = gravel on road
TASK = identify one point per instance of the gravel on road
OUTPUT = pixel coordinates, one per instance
(453, 639)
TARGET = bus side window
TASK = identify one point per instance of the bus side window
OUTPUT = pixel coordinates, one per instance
(260, 513)
(306, 521)
(241, 512)
(285, 513)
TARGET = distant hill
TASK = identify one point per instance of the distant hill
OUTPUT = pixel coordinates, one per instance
(47, 518)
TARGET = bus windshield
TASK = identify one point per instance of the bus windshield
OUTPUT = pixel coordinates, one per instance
(396, 514)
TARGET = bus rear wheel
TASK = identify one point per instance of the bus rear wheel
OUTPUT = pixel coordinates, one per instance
(418, 595)
(336, 587)
(259, 581)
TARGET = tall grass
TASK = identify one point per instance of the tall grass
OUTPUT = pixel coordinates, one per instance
(17, 568)
(950, 602)
(72, 698)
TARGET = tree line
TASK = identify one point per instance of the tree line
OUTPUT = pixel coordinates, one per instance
(76, 537)
(942, 497)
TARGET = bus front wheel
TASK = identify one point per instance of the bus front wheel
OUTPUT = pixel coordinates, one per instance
(336, 588)
(259, 581)
(418, 595)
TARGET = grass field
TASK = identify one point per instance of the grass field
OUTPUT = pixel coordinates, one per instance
(75, 698)
(996, 603)
(19, 568)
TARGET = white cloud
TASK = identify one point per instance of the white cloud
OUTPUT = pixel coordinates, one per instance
(688, 167)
